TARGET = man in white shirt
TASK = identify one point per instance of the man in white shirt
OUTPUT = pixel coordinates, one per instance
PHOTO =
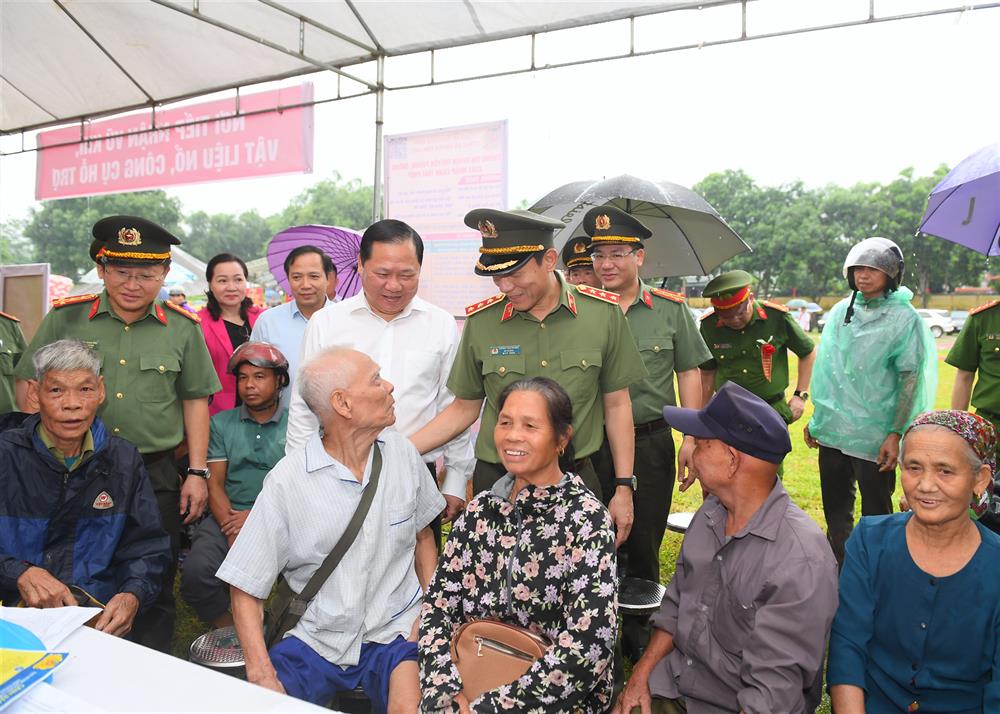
(412, 340)
(310, 271)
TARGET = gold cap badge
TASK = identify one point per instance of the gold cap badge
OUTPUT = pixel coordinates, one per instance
(129, 236)
(580, 247)
(603, 222)
(487, 229)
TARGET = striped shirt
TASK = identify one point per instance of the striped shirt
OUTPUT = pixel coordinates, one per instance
(306, 503)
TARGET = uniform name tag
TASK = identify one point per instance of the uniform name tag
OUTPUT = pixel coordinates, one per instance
(506, 350)
(723, 346)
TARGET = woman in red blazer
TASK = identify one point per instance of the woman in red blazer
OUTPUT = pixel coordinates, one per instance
(227, 320)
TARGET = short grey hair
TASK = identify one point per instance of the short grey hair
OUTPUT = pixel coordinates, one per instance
(66, 356)
(321, 376)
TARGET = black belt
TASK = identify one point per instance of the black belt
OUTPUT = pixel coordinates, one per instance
(775, 400)
(651, 427)
(156, 456)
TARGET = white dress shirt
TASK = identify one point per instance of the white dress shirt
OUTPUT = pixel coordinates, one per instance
(415, 351)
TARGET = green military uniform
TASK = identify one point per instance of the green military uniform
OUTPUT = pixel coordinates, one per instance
(977, 349)
(743, 356)
(150, 366)
(584, 344)
(11, 348)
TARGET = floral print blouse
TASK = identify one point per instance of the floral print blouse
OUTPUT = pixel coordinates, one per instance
(546, 562)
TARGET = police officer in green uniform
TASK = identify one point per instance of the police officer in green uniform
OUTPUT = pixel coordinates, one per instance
(158, 376)
(668, 340)
(11, 348)
(579, 266)
(750, 341)
(977, 349)
(539, 325)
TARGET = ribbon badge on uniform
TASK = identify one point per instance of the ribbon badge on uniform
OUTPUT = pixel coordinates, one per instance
(767, 351)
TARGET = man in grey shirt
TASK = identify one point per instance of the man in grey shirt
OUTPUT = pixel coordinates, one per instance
(361, 626)
(745, 620)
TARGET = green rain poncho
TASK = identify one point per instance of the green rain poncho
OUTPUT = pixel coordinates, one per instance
(872, 375)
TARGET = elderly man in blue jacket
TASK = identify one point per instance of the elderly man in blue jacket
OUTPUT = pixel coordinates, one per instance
(78, 519)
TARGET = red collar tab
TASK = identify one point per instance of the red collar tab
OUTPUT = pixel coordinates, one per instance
(508, 312)
(94, 307)
(731, 301)
(161, 315)
(571, 302)
(647, 298)
(760, 313)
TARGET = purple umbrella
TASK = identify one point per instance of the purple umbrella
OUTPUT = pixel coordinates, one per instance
(341, 244)
(965, 207)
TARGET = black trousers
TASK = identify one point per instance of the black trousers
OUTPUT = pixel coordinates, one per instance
(154, 627)
(206, 594)
(838, 474)
(656, 471)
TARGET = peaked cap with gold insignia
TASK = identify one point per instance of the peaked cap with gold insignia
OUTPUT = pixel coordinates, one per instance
(130, 240)
(510, 238)
(728, 289)
(610, 225)
(576, 253)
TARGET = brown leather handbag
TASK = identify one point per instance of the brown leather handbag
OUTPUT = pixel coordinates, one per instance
(489, 653)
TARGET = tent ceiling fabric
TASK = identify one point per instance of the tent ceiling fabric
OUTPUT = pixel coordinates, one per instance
(61, 60)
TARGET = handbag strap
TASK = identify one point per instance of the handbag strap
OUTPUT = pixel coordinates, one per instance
(348, 537)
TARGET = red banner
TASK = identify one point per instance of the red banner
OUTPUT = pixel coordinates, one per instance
(219, 146)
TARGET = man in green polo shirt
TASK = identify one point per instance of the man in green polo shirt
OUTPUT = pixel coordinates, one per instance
(157, 373)
(664, 331)
(750, 341)
(245, 444)
(539, 325)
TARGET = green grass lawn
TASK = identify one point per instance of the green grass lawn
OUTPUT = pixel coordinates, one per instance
(801, 480)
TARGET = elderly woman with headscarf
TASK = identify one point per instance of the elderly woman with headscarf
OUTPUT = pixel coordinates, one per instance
(919, 613)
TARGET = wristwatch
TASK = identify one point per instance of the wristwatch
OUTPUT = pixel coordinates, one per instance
(201, 473)
(630, 481)
(804, 396)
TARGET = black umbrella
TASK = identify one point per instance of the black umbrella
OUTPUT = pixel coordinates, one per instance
(689, 236)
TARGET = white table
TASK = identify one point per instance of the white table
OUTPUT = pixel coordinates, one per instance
(116, 675)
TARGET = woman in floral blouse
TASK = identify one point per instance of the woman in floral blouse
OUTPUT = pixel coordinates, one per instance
(537, 550)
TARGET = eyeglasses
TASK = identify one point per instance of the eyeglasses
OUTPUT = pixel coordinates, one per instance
(124, 276)
(616, 257)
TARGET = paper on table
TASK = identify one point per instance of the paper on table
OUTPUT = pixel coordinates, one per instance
(46, 698)
(51, 625)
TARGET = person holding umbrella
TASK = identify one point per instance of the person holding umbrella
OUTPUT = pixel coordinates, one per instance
(541, 326)
(750, 341)
(665, 333)
(875, 371)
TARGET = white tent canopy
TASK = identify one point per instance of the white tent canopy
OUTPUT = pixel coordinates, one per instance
(62, 60)
(186, 272)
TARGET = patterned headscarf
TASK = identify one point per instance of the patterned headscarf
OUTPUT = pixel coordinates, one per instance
(978, 433)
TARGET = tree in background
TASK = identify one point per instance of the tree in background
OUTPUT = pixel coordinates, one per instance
(15, 249)
(331, 202)
(60, 230)
(245, 235)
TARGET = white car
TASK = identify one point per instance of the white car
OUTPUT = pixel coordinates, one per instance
(938, 321)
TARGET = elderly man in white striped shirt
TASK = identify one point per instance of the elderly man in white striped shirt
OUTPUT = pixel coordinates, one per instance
(360, 627)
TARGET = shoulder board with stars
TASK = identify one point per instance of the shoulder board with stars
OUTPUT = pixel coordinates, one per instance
(774, 305)
(177, 308)
(9, 317)
(709, 311)
(668, 294)
(483, 304)
(987, 306)
(605, 295)
(74, 300)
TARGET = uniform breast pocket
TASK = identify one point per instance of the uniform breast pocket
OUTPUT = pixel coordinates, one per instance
(504, 368)
(580, 373)
(658, 355)
(157, 377)
(7, 360)
(734, 621)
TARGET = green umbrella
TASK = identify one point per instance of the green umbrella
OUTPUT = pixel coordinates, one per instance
(796, 303)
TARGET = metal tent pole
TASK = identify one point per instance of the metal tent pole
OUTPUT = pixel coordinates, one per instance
(379, 109)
